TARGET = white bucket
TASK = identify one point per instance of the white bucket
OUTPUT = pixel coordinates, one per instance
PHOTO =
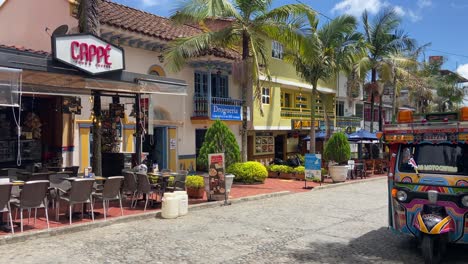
(183, 202)
(170, 206)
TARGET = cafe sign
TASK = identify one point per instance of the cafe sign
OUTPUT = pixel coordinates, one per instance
(302, 124)
(88, 53)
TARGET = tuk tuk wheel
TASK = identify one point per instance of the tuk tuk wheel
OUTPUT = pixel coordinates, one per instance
(433, 248)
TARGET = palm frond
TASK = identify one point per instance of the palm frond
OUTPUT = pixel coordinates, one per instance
(194, 11)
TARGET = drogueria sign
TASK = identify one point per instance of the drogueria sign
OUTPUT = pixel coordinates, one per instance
(88, 53)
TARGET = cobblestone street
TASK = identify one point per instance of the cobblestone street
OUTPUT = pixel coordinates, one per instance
(336, 225)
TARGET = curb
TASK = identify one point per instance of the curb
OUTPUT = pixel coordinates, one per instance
(335, 185)
(22, 237)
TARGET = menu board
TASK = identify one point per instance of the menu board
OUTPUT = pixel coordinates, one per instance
(216, 173)
(264, 145)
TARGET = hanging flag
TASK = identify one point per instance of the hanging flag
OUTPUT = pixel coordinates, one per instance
(413, 163)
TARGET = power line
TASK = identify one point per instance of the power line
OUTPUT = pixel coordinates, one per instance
(300, 2)
(450, 53)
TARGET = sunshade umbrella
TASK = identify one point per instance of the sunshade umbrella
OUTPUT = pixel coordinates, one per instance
(318, 135)
(362, 135)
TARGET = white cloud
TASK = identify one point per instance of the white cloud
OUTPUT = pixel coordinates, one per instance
(399, 10)
(414, 16)
(147, 3)
(356, 7)
(424, 3)
(463, 70)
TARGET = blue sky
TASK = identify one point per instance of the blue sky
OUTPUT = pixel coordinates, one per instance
(439, 22)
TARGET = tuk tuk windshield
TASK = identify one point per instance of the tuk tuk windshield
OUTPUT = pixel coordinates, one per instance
(434, 158)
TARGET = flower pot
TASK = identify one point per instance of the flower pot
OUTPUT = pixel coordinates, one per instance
(338, 173)
(195, 193)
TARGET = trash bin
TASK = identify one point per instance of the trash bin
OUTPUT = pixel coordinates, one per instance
(183, 202)
(170, 206)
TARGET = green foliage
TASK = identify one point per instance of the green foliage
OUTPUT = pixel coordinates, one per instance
(275, 168)
(154, 179)
(301, 158)
(248, 172)
(337, 148)
(284, 169)
(299, 170)
(219, 139)
(194, 181)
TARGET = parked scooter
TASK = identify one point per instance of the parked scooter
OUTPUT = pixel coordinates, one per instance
(294, 162)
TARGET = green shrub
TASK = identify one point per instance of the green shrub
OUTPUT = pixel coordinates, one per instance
(194, 181)
(301, 158)
(219, 139)
(337, 149)
(299, 170)
(285, 169)
(248, 172)
(275, 168)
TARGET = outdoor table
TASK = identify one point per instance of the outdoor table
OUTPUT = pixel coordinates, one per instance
(165, 178)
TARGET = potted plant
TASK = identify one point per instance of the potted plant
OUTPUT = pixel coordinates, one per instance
(195, 186)
(248, 172)
(338, 150)
(299, 171)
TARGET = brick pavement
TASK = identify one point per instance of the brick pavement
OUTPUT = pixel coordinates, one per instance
(271, 185)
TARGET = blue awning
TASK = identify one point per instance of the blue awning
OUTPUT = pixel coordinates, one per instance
(362, 135)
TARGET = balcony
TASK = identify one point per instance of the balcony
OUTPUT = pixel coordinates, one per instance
(202, 106)
(294, 113)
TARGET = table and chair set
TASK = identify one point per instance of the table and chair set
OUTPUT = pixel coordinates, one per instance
(366, 168)
(46, 189)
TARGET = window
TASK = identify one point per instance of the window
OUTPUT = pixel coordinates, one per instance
(285, 99)
(432, 158)
(301, 100)
(265, 95)
(277, 50)
(219, 85)
(339, 108)
(359, 110)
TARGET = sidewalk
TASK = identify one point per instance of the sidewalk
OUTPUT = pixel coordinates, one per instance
(270, 186)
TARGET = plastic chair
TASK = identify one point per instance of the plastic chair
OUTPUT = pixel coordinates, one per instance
(145, 187)
(166, 171)
(351, 169)
(5, 193)
(111, 192)
(79, 193)
(58, 181)
(33, 196)
(130, 185)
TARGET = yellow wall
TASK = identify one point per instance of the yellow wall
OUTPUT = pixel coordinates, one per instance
(84, 147)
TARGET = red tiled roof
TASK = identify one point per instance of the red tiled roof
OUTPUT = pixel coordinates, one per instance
(135, 20)
(21, 48)
(131, 19)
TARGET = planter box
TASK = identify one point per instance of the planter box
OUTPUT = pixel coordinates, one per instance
(273, 174)
(195, 193)
(283, 175)
(300, 176)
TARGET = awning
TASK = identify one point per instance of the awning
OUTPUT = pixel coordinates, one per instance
(64, 84)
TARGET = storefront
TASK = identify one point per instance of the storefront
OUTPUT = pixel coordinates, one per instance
(55, 107)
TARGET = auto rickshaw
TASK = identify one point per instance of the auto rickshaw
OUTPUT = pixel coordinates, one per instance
(428, 179)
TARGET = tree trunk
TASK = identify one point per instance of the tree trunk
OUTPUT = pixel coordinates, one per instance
(380, 112)
(89, 23)
(373, 81)
(394, 98)
(312, 118)
(245, 82)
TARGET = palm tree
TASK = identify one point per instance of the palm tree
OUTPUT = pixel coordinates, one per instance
(322, 53)
(382, 38)
(252, 23)
(88, 21)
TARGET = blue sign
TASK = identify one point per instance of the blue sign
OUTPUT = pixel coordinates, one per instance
(226, 112)
(313, 166)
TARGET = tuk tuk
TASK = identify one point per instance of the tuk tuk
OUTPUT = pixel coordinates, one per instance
(428, 179)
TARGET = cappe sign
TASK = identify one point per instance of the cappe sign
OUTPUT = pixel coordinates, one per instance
(88, 53)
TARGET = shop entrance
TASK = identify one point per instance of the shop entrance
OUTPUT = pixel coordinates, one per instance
(162, 147)
(279, 147)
